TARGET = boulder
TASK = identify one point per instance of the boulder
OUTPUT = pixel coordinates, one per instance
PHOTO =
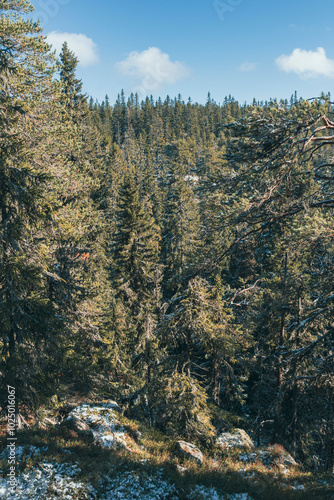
(283, 458)
(277, 455)
(107, 424)
(236, 439)
(189, 451)
(287, 459)
(74, 427)
(269, 456)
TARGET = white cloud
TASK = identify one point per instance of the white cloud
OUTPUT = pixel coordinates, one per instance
(84, 48)
(248, 66)
(152, 69)
(307, 63)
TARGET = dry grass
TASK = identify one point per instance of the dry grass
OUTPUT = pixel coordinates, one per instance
(221, 470)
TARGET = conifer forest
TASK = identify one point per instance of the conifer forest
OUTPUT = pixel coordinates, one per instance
(175, 257)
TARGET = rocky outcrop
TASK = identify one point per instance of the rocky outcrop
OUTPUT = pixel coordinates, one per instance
(107, 425)
(236, 439)
(189, 451)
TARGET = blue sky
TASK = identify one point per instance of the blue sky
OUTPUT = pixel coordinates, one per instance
(246, 48)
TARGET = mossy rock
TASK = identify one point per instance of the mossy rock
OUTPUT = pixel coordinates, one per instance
(235, 439)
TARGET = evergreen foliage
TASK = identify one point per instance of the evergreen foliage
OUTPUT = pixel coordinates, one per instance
(29, 325)
(177, 256)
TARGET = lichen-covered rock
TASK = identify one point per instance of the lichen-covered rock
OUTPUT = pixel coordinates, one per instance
(189, 451)
(236, 439)
(269, 456)
(278, 455)
(107, 424)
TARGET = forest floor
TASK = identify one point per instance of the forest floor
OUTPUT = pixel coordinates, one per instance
(50, 465)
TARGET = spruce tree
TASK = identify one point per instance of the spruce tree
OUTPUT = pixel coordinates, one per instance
(135, 275)
(181, 244)
(79, 237)
(71, 86)
(200, 342)
(29, 112)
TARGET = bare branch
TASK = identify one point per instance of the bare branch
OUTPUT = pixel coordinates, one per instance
(243, 291)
